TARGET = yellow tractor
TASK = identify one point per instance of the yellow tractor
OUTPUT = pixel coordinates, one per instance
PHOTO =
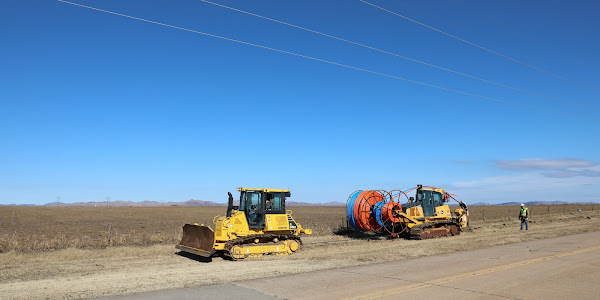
(259, 226)
(427, 215)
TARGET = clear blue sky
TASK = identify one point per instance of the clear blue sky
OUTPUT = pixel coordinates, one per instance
(95, 105)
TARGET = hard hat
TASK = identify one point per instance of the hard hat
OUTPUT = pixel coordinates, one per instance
(522, 204)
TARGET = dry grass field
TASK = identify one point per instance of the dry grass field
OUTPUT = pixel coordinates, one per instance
(536, 211)
(32, 229)
(143, 257)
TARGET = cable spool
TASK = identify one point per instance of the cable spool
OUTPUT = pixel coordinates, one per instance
(377, 211)
(361, 212)
(389, 212)
(350, 209)
(392, 208)
(373, 210)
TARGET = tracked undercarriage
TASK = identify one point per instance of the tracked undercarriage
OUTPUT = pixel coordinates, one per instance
(434, 230)
(260, 245)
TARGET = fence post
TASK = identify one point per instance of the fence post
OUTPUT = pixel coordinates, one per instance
(509, 213)
(564, 208)
(592, 206)
(109, 234)
(483, 215)
(548, 209)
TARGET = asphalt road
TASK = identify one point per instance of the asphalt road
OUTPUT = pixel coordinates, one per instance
(558, 268)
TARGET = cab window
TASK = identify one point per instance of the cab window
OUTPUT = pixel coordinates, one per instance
(424, 196)
(252, 200)
(275, 202)
(437, 199)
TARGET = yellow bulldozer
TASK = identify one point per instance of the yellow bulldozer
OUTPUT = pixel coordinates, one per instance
(428, 216)
(259, 226)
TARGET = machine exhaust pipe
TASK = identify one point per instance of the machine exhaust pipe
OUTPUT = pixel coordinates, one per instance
(229, 205)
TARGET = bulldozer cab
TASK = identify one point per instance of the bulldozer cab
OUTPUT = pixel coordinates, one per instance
(257, 203)
(429, 200)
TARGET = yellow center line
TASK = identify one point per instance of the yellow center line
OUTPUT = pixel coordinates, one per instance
(470, 274)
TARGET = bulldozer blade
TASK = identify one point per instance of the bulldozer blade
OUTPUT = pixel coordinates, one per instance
(197, 239)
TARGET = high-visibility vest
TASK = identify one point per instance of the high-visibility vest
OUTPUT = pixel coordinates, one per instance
(524, 212)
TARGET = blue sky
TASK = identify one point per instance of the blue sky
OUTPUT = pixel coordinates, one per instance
(96, 105)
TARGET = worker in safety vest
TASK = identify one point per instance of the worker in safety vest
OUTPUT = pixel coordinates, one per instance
(524, 216)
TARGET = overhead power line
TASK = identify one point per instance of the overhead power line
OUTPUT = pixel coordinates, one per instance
(400, 56)
(481, 47)
(326, 61)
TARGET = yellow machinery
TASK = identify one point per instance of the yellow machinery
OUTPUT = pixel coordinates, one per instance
(429, 215)
(260, 225)
(424, 216)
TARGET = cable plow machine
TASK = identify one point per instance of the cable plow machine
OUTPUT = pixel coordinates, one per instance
(424, 216)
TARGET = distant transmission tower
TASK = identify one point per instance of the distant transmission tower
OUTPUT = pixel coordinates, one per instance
(108, 201)
(57, 200)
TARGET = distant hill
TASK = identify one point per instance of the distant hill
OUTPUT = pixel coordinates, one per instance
(191, 202)
(510, 204)
(298, 203)
(556, 202)
(478, 204)
(530, 203)
(119, 203)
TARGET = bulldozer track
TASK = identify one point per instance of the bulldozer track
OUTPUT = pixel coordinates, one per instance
(250, 240)
(435, 229)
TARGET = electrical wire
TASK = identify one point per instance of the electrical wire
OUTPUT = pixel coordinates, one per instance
(327, 61)
(481, 47)
(400, 56)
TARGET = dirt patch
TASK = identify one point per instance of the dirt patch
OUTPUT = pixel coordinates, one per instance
(86, 273)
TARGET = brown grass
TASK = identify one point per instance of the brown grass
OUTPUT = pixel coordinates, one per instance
(536, 211)
(29, 229)
(88, 273)
(33, 229)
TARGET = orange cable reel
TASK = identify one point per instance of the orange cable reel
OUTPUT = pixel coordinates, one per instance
(390, 212)
(363, 209)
